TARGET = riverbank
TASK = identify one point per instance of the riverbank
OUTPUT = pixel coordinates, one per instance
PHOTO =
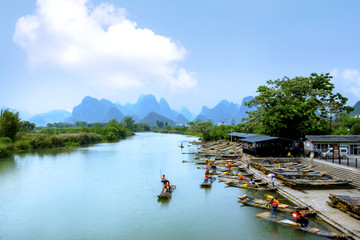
(316, 199)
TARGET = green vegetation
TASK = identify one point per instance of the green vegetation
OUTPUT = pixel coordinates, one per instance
(16, 136)
(293, 108)
(288, 108)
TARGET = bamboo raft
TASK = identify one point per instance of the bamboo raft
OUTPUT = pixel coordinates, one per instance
(298, 176)
(167, 194)
(246, 186)
(347, 204)
(259, 203)
(205, 183)
(290, 223)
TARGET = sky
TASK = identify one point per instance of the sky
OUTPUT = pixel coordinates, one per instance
(192, 53)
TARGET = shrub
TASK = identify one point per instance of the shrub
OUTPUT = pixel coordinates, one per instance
(72, 144)
(4, 151)
(5, 140)
(23, 145)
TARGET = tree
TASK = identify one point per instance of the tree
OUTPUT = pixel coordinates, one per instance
(26, 126)
(9, 124)
(293, 108)
(128, 123)
(201, 128)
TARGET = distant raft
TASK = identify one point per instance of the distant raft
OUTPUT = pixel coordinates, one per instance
(290, 223)
(167, 194)
(207, 183)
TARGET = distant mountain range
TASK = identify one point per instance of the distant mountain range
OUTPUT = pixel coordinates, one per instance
(147, 109)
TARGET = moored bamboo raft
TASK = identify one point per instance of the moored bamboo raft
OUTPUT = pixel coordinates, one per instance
(259, 203)
(347, 204)
(290, 223)
(248, 186)
(298, 176)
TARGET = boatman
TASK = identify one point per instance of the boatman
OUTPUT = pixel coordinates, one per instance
(208, 177)
(229, 166)
(300, 218)
(241, 177)
(168, 185)
(273, 203)
(163, 178)
(165, 187)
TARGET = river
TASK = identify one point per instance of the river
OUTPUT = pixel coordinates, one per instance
(109, 191)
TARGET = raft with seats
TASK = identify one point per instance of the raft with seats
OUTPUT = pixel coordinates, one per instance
(259, 203)
(290, 223)
(206, 183)
(247, 186)
(167, 194)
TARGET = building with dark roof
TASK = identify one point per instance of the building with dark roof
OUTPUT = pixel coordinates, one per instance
(266, 146)
(320, 143)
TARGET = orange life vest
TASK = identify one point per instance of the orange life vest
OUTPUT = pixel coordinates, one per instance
(275, 202)
(295, 215)
(240, 177)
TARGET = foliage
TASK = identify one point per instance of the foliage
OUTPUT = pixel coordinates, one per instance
(201, 129)
(347, 124)
(26, 126)
(9, 124)
(129, 123)
(293, 108)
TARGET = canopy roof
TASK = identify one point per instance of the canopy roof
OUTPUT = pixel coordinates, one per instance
(252, 138)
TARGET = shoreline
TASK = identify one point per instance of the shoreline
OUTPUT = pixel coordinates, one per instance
(316, 199)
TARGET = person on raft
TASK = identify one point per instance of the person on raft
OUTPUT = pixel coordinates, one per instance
(241, 177)
(300, 218)
(163, 178)
(165, 187)
(273, 203)
(213, 166)
(207, 171)
(252, 183)
(168, 186)
(229, 166)
(207, 177)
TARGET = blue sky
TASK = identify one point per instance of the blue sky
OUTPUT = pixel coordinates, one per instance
(192, 53)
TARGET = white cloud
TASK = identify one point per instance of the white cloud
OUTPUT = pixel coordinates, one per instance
(349, 80)
(99, 42)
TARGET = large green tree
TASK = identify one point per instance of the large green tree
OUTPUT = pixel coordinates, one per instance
(293, 108)
(9, 123)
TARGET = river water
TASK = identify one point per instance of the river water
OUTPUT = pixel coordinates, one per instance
(109, 191)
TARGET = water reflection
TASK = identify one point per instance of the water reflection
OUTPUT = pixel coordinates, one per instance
(164, 202)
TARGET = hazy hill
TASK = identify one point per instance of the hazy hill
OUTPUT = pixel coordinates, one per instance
(153, 117)
(53, 116)
(225, 111)
(357, 109)
(92, 110)
(201, 118)
(243, 109)
(186, 113)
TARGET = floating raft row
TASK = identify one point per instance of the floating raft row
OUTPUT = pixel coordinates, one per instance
(297, 176)
(290, 223)
(259, 203)
(347, 204)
